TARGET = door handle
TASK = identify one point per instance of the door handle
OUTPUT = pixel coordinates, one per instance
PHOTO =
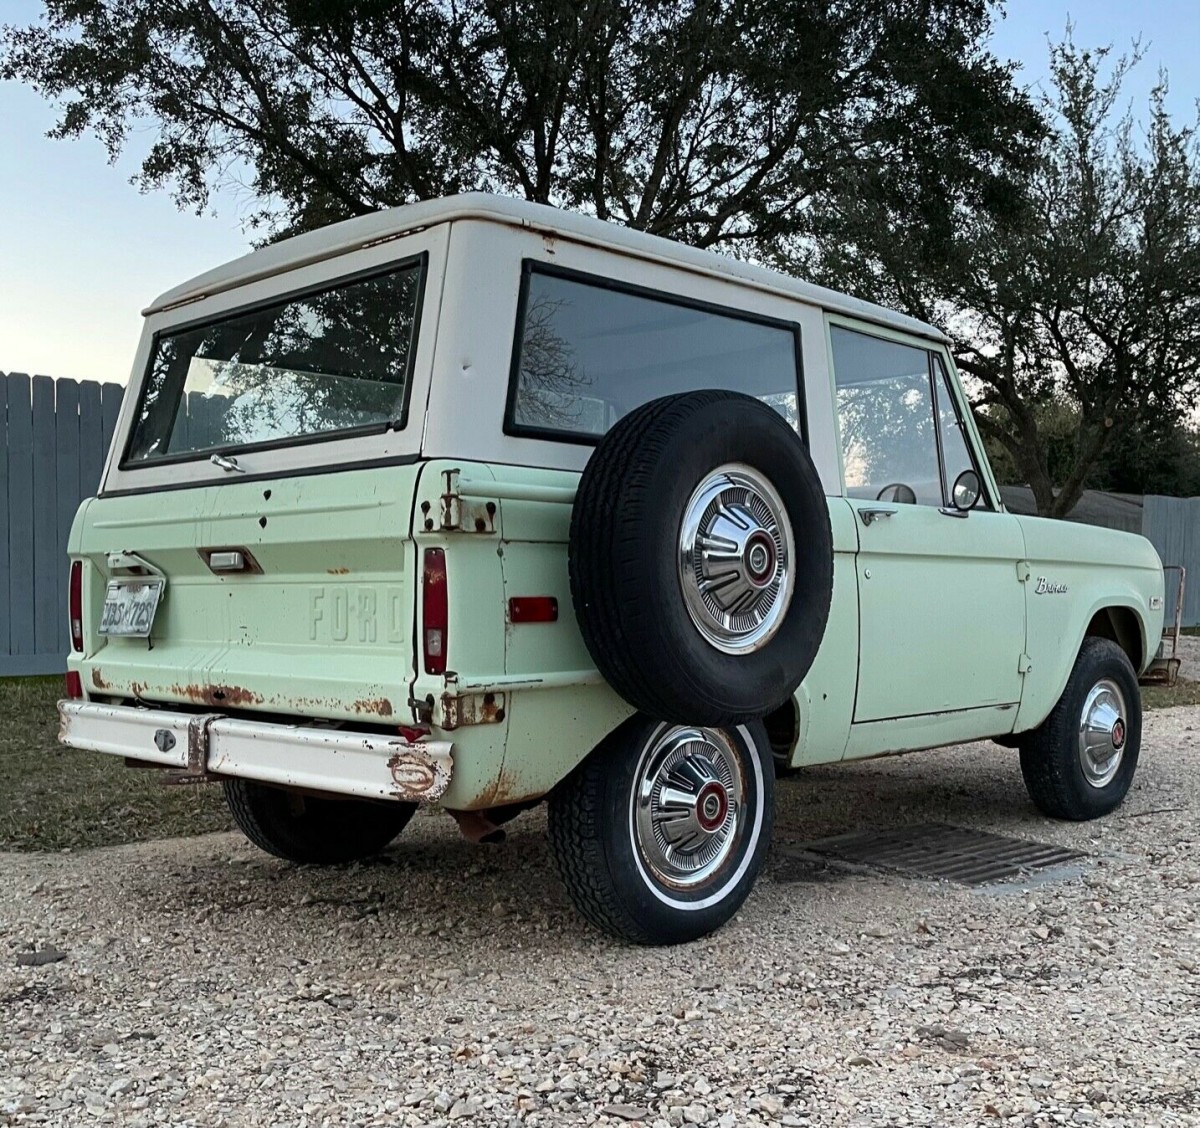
(874, 514)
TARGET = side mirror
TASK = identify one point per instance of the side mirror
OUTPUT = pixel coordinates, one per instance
(967, 491)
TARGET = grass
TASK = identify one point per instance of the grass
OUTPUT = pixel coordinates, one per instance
(55, 798)
(1183, 692)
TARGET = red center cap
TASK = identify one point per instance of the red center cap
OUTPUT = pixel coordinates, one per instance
(760, 558)
(712, 806)
(1118, 734)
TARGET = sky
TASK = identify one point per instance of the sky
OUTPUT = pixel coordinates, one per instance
(82, 251)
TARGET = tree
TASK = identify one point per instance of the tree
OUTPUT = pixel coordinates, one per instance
(1086, 294)
(717, 122)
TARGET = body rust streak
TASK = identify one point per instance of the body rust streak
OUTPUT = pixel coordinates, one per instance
(380, 706)
(227, 695)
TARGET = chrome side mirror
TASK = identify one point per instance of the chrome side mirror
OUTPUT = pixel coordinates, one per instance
(967, 491)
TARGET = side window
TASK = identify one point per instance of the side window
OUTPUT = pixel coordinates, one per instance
(956, 454)
(589, 351)
(886, 417)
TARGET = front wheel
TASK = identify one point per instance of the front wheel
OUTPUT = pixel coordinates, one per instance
(660, 833)
(1079, 763)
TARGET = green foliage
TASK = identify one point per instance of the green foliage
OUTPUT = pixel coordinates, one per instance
(710, 121)
(54, 798)
(1086, 292)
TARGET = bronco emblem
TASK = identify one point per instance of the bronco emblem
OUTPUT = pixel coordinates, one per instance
(1049, 587)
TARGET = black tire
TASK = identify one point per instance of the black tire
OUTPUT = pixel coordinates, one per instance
(310, 829)
(1052, 760)
(608, 871)
(626, 579)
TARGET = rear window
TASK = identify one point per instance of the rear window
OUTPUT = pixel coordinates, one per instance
(307, 367)
(589, 351)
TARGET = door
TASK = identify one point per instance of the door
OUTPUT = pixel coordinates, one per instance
(942, 608)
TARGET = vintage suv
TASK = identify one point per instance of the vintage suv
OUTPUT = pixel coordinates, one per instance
(476, 503)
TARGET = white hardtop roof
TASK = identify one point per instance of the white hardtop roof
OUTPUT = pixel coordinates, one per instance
(354, 234)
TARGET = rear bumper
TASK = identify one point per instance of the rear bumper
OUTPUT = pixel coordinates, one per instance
(365, 765)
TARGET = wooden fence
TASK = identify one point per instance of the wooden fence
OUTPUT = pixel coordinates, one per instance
(56, 435)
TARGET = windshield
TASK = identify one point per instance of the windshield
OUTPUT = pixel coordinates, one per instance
(302, 368)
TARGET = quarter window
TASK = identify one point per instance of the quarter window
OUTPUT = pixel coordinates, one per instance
(588, 353)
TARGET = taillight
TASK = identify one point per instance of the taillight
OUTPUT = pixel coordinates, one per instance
(75, 604)
(435, 611)
(74, 685)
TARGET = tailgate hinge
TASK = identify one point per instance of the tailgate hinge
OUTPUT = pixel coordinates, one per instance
(477, 516)
(451, 501)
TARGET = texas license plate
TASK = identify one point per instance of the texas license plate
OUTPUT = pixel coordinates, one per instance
(129, 607)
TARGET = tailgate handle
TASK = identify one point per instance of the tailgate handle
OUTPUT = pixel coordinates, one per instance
(227, 560)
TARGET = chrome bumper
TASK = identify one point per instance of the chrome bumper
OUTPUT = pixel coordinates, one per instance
(362, 764)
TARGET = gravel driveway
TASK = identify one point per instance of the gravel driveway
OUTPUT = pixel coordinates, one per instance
(206, 984)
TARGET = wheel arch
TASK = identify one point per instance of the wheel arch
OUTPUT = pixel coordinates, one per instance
(1116, 619)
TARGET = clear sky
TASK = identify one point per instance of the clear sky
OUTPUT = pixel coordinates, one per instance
(82, 251)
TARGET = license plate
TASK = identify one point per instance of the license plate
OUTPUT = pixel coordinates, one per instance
(129, 607)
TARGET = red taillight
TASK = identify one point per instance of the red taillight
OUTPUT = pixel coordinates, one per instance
(435, 611)
(74, 685)
(75, 604)
(533, 609)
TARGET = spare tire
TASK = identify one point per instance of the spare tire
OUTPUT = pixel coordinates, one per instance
(701, 558)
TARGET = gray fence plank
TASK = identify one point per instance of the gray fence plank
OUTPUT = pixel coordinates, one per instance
(5, 596)
(66, 439)
(110, 397)
(91, 439)
(23, 639)
(46, 562)
(1172, 525)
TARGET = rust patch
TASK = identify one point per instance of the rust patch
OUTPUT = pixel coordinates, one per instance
(337, 571)
(415, 774)
(230, 696)
(472, 709)
(380, 706)
(506, 790)
(98, 679)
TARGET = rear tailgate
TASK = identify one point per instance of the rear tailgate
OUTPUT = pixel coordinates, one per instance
(319, 624)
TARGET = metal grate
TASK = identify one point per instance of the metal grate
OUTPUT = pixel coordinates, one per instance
(948, 853)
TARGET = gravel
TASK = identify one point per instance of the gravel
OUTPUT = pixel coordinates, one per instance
(206, 984)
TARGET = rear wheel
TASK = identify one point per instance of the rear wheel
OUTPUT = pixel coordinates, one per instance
(660, 833)
(1080, 762)
(313, 830)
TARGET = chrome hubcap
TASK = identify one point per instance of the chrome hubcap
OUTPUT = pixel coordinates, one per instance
(687, 805)
(1102, 733)
(735, 559)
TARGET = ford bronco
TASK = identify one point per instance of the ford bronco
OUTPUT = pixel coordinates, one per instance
(476, 503)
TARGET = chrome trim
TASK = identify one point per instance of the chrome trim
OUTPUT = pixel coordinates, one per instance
(1103, 733)
(870, 514)
(735, 559)
(688, 805)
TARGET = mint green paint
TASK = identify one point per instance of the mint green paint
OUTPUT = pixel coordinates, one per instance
(825, 699)
(1100, 568)
(943, 612)
(325, 631)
